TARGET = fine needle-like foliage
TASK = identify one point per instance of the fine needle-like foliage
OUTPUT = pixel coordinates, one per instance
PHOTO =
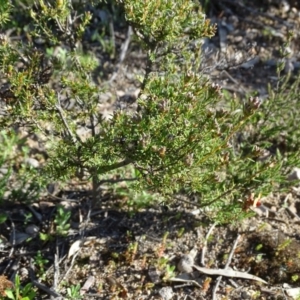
(184, 136)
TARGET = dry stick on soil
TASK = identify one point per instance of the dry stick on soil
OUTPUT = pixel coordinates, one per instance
(187, 282)
(87, 219)
(11, 252)
(70, 268)
(88, 283)
(186, 265)
(13, 240)
(228, 273)
(39, 285)
(226, 266)
(205, 243)
(125, 46)
(56, 267)
(51, 268)
(293, 214)
(82, 234)
(289, 207)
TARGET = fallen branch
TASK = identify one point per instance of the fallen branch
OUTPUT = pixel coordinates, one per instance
(228, 273)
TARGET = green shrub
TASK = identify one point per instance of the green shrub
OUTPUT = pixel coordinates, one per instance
(183, 138)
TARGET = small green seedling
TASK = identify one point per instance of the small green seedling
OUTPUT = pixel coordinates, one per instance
(40, 262)
(284, 244)
(21, 293)
(180, 232)
(169, 272)
(258, 247)
(73, 292)
(62, 221)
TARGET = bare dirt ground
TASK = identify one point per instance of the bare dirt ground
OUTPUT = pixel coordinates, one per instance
(115, 254)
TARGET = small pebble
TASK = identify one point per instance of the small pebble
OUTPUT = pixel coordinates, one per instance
(186, 263)
(166, 293)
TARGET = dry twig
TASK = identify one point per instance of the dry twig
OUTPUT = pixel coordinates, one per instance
(205, 243)
(226, 266)
(125, 46)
